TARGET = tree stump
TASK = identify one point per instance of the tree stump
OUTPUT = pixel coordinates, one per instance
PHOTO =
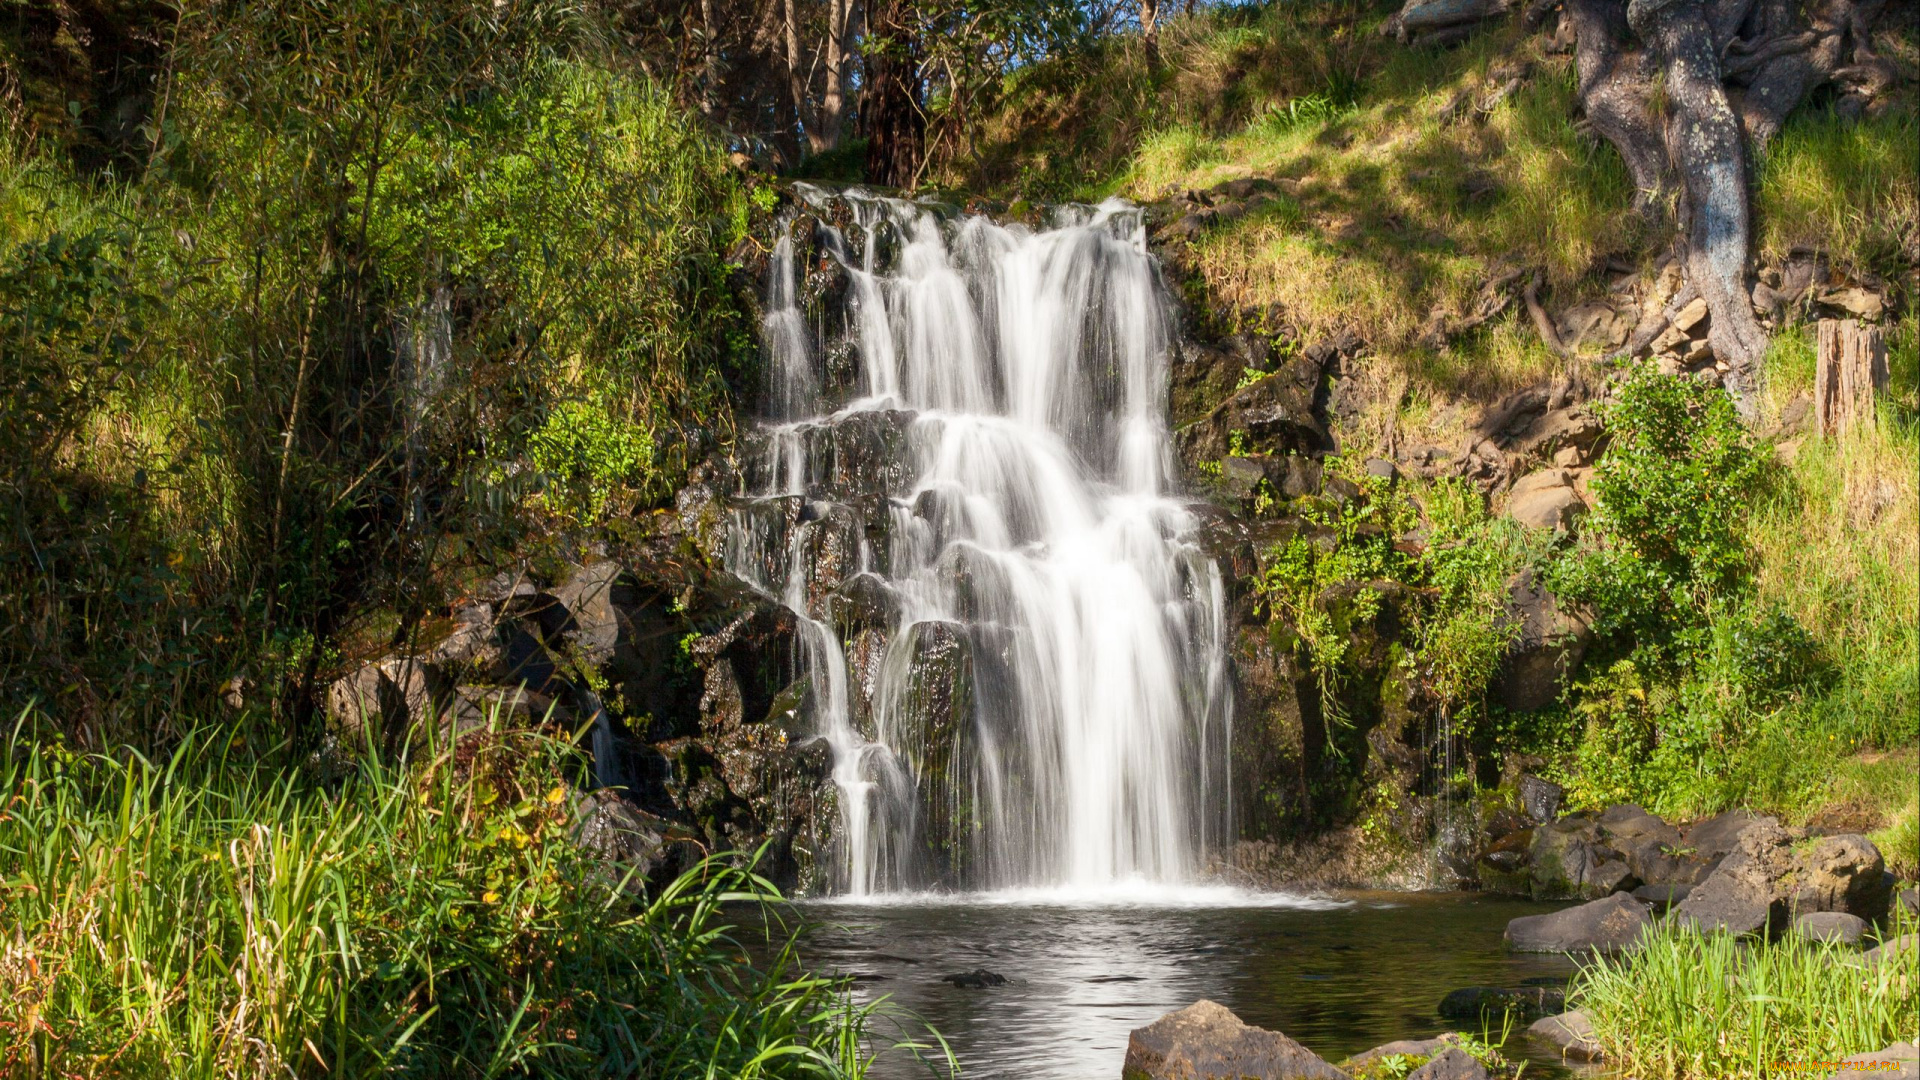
(1850, 367)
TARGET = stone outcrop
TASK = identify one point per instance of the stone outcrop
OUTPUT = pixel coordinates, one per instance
(1759, 885)
(1548, 645)
(1206, 1041)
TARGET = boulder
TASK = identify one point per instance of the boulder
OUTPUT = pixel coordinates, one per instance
(1205, 1041)
(1649, 846)
(1718, 835)
(1549, 645)
(591, 628)
(1661, 897)
(1241, 476)
(1834, 926)
(1904, 1056)
(1841, 873)
(1611, 925)
(1889, 950)
(1910, 901)
(1571, 1033)
(1541, 798)
(629, 839)
(1569, 859)
(1450, 1064)
(1492, 1002)
(1743, 895)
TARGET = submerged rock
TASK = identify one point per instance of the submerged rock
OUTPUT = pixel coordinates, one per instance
(1206, 1041)
(1571, 1033)
(977, 979)
(1492, 1002)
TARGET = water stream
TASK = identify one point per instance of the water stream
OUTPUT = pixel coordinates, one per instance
(1016, 653)
(1048, 706)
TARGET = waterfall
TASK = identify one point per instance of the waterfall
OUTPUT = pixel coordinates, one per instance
(963, 492)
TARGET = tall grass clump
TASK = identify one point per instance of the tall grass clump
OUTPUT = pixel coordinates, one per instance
(204, 915)
(1689, 1004)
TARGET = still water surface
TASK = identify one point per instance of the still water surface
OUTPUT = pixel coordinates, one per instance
(1339, 973)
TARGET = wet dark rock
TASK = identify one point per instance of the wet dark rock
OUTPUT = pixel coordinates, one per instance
(1241, 476)
(1451, 1064)
(864, 601)
(1206, 1041)
(628, 838)
(1835, 926)
(1548, 649)
(1294, 476)
(1611, 925)
(1571, 1033)
(1491, 1002)
(977, 979)
(1541, 798)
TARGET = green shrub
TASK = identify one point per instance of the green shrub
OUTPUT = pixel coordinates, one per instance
(590, 458)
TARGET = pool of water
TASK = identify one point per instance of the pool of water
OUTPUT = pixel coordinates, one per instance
(1340, 973)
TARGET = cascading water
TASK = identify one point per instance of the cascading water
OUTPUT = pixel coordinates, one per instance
(967, 450)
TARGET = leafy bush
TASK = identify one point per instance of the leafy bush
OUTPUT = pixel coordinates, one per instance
(412, 257)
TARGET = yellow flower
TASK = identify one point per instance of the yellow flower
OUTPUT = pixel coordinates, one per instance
(491, 897)
(554, 796)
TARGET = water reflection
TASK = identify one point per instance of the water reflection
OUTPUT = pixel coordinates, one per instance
(1338, 974)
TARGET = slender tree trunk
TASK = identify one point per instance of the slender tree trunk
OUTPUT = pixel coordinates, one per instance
(1150, 30)
(825, 133)
(896, 128)
(796, 78)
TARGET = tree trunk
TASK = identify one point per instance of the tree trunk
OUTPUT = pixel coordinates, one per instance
(896, 128)
(1704, 143)
(825, 133)
(796, 79)
(1684, 90)
(1851, 368)
(1150, 30)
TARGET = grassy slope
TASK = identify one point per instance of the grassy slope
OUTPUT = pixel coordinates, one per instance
(1404, 193)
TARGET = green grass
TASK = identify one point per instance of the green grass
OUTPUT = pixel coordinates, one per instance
(1693, 1005)
(206, 916)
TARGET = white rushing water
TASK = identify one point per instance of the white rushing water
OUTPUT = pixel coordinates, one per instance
(1029, 527)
